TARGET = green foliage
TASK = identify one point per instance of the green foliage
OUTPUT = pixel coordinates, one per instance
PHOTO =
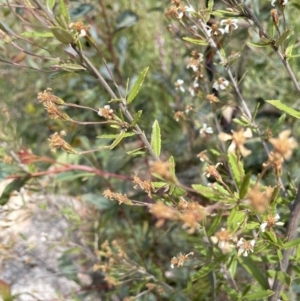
(202, 230)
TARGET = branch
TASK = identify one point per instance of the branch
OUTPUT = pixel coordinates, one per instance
(291, 234)
(123, 107)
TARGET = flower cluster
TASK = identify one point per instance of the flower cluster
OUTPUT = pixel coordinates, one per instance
(113, 196)
(189, 213)
(79, 27)
(56, 141)
(106, 112)
(180, 259)
(224, 240)
(51, 103)
(283, 146)
(147, 186)
(237, 141)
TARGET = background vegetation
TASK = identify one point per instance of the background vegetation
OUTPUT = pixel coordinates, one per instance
(134, 246)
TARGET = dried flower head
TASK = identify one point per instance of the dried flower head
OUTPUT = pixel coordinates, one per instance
(179, 115)
(284, 145)
(192, 216)
(202, 156)
(244, 247)
(163, 212)
(82, 29)
(47, 96)
(212, 98)
(106, 112)
(211, 170)
(113, 196)
(54, 112)
(163, 169)
(56, 141)
(147, 185)
(275, 160)
(258, 199)
(224, 240)
(180, 259)
(274, 15)
(238, 140)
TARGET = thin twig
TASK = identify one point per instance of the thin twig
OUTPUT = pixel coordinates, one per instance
(123, 107)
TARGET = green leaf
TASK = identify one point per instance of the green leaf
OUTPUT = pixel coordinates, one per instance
(252, 268)
(236, 167)
(114, 136)
(292, 243)
(15, 185)
(245, 185)
(62, 35)
(137, 86)
(178, 192)
(156, 138)
(205, 270)
(36, 34)
(259, 295)
(226, 14)
(64, 10)
(235, 219)
(50, 4)
(283, 37)
(71, 67)
(118, 140)
(207, 192)
(195, 41)
(214, 224)
(136, 152)
(265, 44)
(136, 118)
(279, 105)
(210, 5)
(284, 278)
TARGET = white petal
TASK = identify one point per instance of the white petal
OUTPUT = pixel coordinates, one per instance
(263, 227)
(248, 133)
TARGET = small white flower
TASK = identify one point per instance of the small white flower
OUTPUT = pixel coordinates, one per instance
(284, 3)
(270, 223)
(178, 85)
(230, 24)
(221, 84)
(206, 129)
(245, 247)
(105, 111)
(188, 10)
(82, 33)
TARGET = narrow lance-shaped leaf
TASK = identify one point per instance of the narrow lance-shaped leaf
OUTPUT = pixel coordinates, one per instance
(260, 295)
(36, 34)
(252, 268)
(283, 37)
(64, 10)
(136, 118)
(118, 140)
(279, 105)
(137, 86)
(236, 167)
(156, 138)
(62, 35)
(195, 41)
(50, 4)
